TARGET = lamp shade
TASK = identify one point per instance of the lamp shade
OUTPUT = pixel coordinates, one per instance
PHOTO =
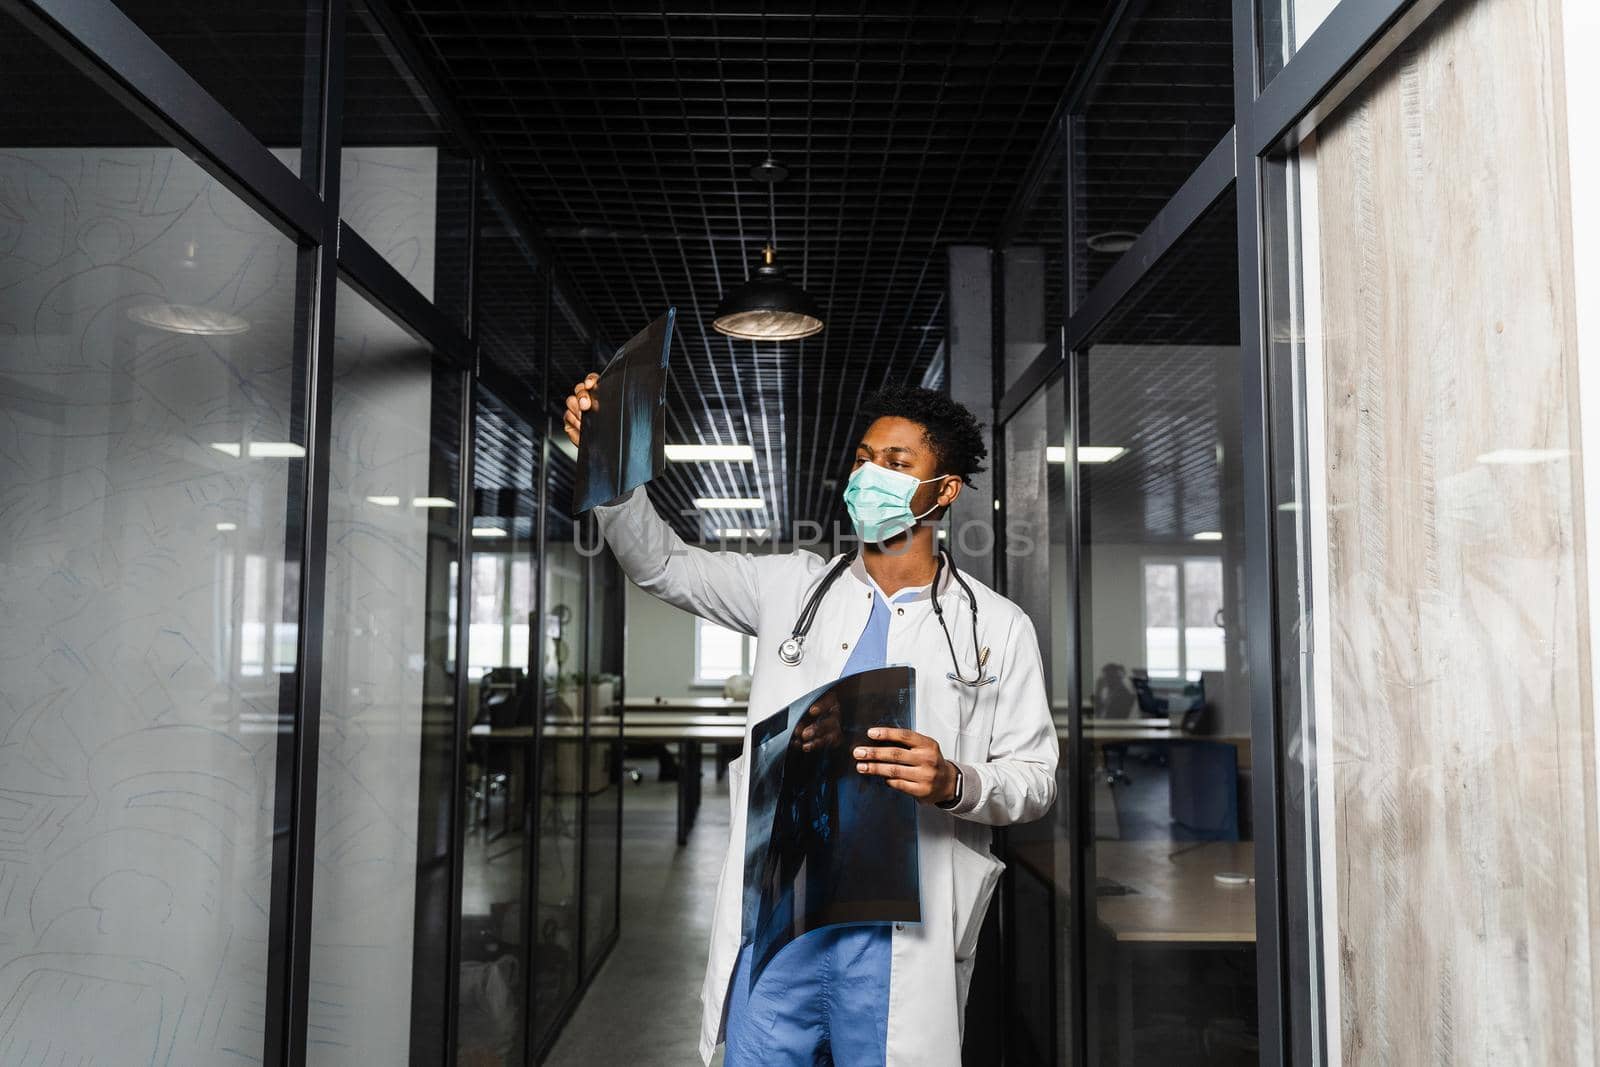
(768, 307)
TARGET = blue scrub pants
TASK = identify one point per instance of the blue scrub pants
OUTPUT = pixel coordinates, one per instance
(823, 1000)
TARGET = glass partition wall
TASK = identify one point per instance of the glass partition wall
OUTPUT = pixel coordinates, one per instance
(1157, 498)
(275, 568)
(258, 290)
(501, 694)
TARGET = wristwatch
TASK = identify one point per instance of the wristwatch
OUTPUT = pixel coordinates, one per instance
(955, 798)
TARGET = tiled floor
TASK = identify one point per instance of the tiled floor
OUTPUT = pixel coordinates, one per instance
(644, 1005)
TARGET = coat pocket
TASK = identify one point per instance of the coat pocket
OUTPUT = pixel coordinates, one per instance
(976, 875)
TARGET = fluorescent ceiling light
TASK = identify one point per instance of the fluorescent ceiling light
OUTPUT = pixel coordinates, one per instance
(488, 531)
(710, 453)
(1208, 535)
(729, 503)
(1086, 453)
(227, 448)
(224, 527)
(276, 450)
(1523, 455)
(736, 532)
(431, 502)
(384, 501)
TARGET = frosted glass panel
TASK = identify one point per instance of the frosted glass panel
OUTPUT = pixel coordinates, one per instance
(150, 449)
(380, 672)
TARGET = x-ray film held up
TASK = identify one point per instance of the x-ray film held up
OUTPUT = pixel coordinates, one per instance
(824, 844)
(623, 444)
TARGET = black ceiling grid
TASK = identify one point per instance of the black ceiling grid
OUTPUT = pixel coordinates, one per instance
(629, 132)
(1159, 105)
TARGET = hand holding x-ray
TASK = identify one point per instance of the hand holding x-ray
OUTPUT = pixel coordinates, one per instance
(617, 418)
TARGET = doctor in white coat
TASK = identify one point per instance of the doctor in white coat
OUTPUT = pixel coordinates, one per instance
(984, 753)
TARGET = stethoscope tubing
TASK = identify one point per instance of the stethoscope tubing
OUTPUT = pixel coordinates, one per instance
(792, 650)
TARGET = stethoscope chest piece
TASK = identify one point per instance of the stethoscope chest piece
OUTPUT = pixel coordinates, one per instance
(791, 650)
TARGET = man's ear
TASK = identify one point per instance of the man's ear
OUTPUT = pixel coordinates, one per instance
(949, 491)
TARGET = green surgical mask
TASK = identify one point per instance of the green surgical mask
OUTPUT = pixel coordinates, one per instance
(879, 502)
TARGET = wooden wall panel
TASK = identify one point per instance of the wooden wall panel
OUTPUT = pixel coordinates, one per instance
(1463, 742)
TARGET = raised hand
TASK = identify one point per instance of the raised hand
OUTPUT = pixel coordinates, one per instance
(580, 401)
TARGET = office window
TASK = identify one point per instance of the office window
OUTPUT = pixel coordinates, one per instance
(720, 652)
(1183, 632)
(502, 589)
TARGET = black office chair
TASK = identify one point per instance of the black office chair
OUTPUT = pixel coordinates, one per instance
(1149, 704)
(503, 701)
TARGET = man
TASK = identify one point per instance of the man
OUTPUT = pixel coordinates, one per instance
(983, 754)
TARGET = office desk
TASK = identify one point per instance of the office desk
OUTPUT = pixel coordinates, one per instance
(1176, 902)
(688, 731)
(1135, 731)
(699, 704)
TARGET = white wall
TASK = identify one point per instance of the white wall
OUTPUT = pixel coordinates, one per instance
(660, 649)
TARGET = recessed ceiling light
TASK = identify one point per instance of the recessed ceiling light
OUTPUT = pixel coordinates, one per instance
(488, 531)
(182, 318)
(227, 448)
(729, 503)
(224, 527)
(1208, 535)
(710, 453)
(1086, 453)
(276, 450)
(431, 502)
(384, 501)
(1112, 241)
(1523, 455)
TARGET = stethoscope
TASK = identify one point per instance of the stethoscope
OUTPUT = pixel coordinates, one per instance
(793, 648)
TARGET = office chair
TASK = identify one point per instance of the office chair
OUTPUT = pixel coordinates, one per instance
(1204, 779)
(503, 698)
(1149, 704)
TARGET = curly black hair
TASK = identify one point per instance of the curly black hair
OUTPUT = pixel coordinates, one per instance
(950, 429)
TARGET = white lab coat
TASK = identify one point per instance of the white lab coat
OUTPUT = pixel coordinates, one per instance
(1001, 734)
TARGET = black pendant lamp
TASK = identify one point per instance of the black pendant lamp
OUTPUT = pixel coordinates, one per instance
(768, 306)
